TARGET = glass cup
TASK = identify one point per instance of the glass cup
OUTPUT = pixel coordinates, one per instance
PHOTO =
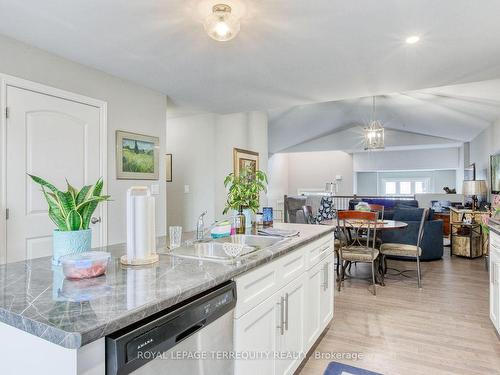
(175, 236)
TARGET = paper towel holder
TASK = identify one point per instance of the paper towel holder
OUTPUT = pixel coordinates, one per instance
(134, 257)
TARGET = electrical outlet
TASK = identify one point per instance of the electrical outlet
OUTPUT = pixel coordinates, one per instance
(186, 189)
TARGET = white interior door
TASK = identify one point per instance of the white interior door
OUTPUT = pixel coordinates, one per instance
(53, 138)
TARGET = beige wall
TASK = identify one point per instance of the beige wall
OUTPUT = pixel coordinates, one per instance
(290, 172)
(315, 169)
(130, 107)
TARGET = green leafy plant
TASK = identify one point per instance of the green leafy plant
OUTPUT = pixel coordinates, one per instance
(244, 190)
(72, 209)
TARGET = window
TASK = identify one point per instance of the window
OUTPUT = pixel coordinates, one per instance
(420, 187)
(395, 186)
(404, 187)
(390, 188)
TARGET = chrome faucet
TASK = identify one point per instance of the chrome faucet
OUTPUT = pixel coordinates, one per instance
(200, 227)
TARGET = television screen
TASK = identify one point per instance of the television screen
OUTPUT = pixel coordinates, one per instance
(495, 174)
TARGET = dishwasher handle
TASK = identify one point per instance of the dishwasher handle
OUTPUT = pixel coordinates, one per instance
(189, 331)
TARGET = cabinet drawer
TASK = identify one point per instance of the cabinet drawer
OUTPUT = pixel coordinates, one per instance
(260, 283)
(318, 250)
(255, 286)
(291, 266)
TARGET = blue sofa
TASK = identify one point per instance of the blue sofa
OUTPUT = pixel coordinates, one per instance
(432, 240)
(390, 205)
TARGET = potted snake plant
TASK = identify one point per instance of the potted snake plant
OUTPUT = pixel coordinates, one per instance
(243, 195)
(71, 211)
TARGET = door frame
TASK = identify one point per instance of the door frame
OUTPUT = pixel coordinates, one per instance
(6, 81)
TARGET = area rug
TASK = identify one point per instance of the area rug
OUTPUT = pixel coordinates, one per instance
(335, 368)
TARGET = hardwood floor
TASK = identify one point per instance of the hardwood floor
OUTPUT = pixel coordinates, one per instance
(442, 329)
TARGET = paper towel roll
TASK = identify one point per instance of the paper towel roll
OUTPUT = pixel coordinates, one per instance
(141, 233)
(142, 224)
(152, 227)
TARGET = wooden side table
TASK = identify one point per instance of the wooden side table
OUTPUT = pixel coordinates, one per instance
(466, 240)
(457, 215)
(445, 216)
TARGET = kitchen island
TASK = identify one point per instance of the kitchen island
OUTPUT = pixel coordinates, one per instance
(54, 325)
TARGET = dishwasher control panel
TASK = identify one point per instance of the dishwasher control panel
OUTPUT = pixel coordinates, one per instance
(130, 348)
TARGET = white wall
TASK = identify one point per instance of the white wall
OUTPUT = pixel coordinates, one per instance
(278, 177)
(191, 142)
(202, 148)
(130, 107)
(444, 158)
(485, 144)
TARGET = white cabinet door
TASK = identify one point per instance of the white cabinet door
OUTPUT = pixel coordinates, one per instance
(55, 139)
(327, 288)
(292, 341)
(495, 290)
(258, 332)
(312, 326)
(319, 300)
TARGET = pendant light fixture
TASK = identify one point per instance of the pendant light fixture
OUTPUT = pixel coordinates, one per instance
(374, 133)
(222, 25)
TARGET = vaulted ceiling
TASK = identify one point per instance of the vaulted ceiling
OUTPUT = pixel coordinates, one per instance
(441, 116)
(289, 52)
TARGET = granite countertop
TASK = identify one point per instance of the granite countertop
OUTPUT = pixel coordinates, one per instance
(36, 298)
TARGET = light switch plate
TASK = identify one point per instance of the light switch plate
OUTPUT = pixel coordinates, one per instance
(155, 189)
(186, 189)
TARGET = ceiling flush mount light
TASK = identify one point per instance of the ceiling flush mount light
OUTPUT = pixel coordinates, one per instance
(374, 133)
(221, 25)
(412, 39)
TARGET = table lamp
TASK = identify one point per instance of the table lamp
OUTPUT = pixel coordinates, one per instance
(474, 188)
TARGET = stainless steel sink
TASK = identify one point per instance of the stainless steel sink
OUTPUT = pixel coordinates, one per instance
(214, 249)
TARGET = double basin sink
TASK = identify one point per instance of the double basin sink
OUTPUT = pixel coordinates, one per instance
(214, 249)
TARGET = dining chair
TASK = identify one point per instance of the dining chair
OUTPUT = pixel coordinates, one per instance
(357, 248)
(405, 250)
(308, 215)
(378, 208)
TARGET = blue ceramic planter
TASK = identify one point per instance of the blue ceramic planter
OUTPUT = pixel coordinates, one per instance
(70, 242)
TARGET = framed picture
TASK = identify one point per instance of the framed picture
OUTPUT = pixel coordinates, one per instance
(245, 159)
(137, 156)
(470, 172)
(168, 167)
(495, 173)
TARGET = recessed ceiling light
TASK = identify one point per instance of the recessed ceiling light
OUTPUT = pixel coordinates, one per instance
(412, 39)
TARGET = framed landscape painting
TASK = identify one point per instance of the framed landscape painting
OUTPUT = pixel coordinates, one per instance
(137, 156)
(245, 159)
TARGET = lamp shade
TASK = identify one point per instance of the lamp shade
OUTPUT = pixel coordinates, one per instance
(475, 187)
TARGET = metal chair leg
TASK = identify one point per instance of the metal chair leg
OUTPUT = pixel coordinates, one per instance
(373, 279)
(337, 267)
(341, 277)
(419, 273)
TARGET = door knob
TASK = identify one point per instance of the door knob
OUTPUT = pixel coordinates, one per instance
(95, 220)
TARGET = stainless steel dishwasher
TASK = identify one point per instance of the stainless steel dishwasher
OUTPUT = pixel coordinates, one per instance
(195, 337)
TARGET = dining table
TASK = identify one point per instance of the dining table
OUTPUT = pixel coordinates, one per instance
(382, 225)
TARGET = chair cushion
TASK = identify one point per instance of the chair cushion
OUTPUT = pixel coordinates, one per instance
(400, 249)
(358, 254)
